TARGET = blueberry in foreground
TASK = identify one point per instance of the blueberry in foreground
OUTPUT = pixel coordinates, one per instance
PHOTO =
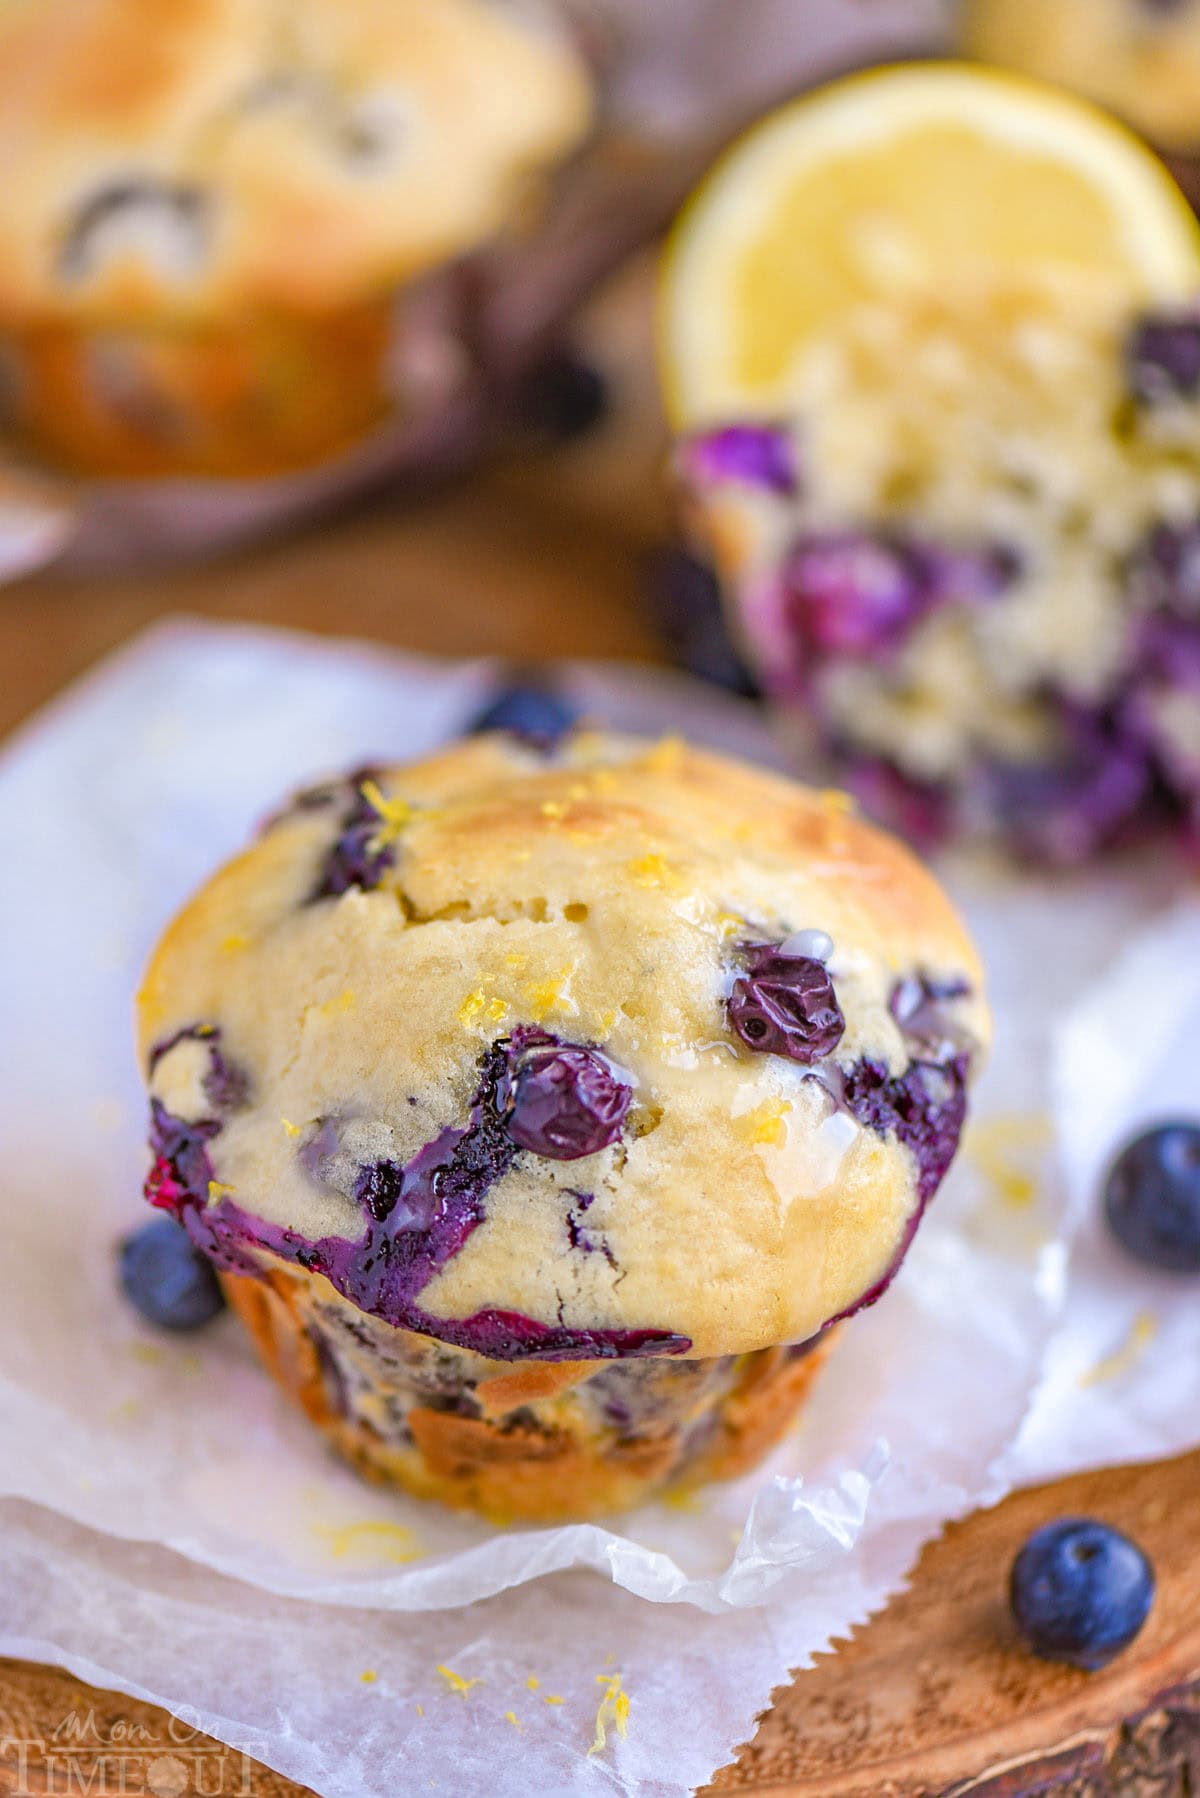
(166, 1279)
(538, 715)
(1152, 1198)
(1080, 1592)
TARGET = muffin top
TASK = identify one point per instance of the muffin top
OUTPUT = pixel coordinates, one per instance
(603, 1049)
(185, 159)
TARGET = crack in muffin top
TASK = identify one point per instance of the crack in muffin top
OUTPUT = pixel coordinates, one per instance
(599, 931)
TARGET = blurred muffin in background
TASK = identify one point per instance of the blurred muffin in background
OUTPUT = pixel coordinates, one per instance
(1140, 58)
(225, 220)
(944, 451)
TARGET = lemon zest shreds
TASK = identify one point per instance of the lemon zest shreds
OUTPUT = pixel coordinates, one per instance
(455, 1681)
(613, 1708)
(511, 1717)
(390, 1541)
(532, 1683)
(1142, 1332)
(553, 1698)
(292, 1129)
(368, 1676)
(217, 1189)
(394, 815)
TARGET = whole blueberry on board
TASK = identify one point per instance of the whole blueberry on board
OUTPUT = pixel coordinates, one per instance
(536, 714)
(168, 1280)
(1152, 1197)
(1080, 1592)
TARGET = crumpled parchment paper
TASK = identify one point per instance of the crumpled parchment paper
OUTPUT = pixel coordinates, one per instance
(142, 1474)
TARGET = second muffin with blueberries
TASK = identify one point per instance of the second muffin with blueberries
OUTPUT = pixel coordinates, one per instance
(543, 1109)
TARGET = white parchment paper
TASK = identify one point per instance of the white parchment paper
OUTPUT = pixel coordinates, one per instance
(193, 1518)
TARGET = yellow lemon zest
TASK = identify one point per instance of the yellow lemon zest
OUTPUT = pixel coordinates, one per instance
(993, 1147)
(368, 1676)
(652, 870)
(552, 1698)
(235, 941)
(455, 1681)
(614, 1708)
(533, 1682)
(553, 809)
(217, 1189)
(545, 996)
(291, 1129)
(389, 1541)
(510, 1717)
(766, 1125)
(1142, 1332)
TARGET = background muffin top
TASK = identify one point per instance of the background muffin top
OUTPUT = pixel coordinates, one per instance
(403, 957)
(184, 159)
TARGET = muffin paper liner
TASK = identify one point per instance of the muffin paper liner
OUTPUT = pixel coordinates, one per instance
(172, 1529)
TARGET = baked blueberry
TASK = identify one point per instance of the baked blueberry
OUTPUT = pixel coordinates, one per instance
(785, 1005)
(685, 598)
(565, 1102)
(1152, 1197)
(168, 1280)
(1080, 1592)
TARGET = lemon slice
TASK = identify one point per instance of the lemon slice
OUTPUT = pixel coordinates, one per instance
(931, 179)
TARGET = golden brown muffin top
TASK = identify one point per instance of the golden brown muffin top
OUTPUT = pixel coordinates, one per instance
(387, 982)
(181, 158)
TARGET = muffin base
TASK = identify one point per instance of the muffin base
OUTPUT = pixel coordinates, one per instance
(515, 1441)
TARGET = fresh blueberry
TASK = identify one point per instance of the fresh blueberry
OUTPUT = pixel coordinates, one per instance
(786, 1005)
(685, 599)
(166, 1279)
(561, 397)
(1152, 1198)
(538, 715)
(1162, 357)
(1080, 1592)
(564, 1102)
(746, 455)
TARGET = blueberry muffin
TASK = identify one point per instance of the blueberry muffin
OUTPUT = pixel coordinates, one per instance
(545, 1107)
(228, 214)
(967, 566)
(1141, 58)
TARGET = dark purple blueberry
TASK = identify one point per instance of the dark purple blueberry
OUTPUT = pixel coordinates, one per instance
(1164, 572)
(786, 1005)
(536, 714)
(378, 1187)
(925, 1107)
(1162, 357)
(1062, 813)
(685, 598)
(1167, 650)
(1152, 1197)
(1080, 1592)
(748, 455)
(853, 594)
(166, 1279)
(356, 859)
(564, 1102)
(561, 397)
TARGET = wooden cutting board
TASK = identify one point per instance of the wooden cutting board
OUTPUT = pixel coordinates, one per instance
(541, 554)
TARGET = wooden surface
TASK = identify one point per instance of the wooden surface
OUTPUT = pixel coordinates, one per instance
(539, 555)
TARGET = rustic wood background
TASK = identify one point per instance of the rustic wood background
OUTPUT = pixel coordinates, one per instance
(540, 553)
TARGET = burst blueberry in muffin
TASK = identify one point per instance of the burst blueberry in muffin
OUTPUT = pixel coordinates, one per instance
(543, 1108)
(238, 237)
(967, 566)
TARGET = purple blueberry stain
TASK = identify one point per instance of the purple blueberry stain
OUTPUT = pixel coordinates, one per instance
(226, 1084)
(746, 455)
(785, 1005)
(418, 1215)
(580, 1236)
